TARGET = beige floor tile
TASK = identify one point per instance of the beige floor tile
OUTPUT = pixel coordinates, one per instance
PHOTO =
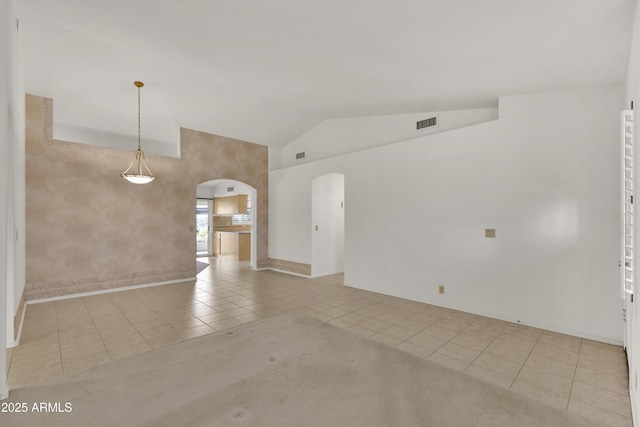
(426, 341)
(129, 350)
(436, 332)
(565, 343)
(551, 365)
(499, 378)
(412, 325)
(499, 365)
(198, 331)
(131, 322)
(224, 324)
(450, 362)
(385, 339)
(609, 363)
(458, 352)
(607, 419)
(318, 315)
(541, 395)
(375, 325)
(25, 378)
(338, 322)
(83, 361)
(156, 331)
(149, 323)
(125, 340)
(216, 317)
(70, 344)
(451, 325)
(247, 318)
(165, 340)
(517, 342)
(600, 398)
(353, 318)
(506, 352)
(186, 323)
(414, 349)
(557, 353)
(560, 386)
(398, 332)
(238, 311)
(475, 342)
(601, 380)
(359, 330)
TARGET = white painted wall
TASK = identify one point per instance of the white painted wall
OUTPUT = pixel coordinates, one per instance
(83, 135)
(11, 180)
(545, 176)
(340, 136)
(632, 314)
(16, 251)
(327, 218)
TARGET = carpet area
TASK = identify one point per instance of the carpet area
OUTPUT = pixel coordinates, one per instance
(282, 371)
(200, 266)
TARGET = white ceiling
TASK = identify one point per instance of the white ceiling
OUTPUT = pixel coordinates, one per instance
(266, 71)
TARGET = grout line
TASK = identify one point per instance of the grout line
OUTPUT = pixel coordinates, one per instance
(485, 349)
(526, 360)
(573, 379)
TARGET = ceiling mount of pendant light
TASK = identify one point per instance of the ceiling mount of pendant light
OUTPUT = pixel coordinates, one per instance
(141, 173)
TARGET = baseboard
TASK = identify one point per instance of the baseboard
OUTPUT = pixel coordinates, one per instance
(291, 267)
(19, 317)
(634, 408)
(18, 334)
(109, 291)
(4, 392)
(286, 272)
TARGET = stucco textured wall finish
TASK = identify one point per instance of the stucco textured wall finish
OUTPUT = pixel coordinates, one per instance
(89, 230)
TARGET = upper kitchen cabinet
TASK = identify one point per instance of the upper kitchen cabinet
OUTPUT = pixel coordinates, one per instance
(230, 205)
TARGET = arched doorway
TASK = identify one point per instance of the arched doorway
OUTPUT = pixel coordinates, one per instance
(327, 217)
(231, 218)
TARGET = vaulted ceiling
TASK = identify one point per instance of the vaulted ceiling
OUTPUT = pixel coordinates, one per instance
(266, 71)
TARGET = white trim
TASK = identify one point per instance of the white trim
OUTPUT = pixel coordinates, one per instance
(285, 271)
(109, 291)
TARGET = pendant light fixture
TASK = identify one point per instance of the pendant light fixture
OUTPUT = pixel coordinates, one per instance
(141, 174)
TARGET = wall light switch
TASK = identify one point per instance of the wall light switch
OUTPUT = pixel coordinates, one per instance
(490, 233)
(441, 289)
(316, 228)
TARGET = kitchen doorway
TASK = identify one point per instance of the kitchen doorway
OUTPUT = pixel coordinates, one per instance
(232, 219)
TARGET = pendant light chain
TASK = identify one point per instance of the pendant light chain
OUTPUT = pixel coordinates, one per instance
(138, 117)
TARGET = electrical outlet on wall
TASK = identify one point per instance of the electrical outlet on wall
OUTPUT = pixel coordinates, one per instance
(441, 289)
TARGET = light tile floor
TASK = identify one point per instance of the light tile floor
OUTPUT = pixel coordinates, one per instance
(563, 371)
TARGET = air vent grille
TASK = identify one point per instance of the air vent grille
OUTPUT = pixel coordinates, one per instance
(229, 189)
(300, 155)
(427, 123)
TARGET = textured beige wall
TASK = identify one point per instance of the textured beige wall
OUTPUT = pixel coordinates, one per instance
(88, 229)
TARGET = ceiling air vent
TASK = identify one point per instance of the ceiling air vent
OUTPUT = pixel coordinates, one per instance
(427, 123)
(300, 155)
(229, 189)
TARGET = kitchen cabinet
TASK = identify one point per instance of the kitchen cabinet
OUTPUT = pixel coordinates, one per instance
(244, 246)
(216, 243)
(233, 244)
(230, 205)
